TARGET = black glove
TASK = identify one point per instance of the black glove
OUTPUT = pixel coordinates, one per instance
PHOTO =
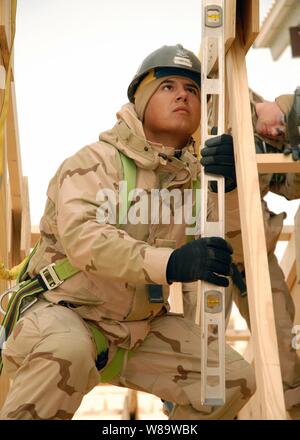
(217, 158)
(238, 279)
(295, 150)
(201, 259)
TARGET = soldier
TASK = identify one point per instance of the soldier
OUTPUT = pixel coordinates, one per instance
(269, 122)
(109, 321)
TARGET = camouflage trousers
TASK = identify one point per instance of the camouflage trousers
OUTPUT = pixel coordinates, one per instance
(50, 358)
(284, 313)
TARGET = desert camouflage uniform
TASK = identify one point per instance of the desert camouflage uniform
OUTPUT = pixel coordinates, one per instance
(287, 185)
(51, 354)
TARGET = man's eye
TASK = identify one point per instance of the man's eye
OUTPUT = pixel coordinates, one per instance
(193, 91)
(167, 87)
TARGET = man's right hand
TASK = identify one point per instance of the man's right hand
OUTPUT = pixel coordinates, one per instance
(294, 151)
(207, 259)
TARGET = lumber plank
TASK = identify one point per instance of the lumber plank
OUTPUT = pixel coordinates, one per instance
(13, 153)
(35, 235)
(297, 243)
(276, 163)
(286, 233)
(288, 262)
(268, 376)
(25, 223)
(248, 12)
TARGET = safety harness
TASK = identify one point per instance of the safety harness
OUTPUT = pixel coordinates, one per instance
(25, 293)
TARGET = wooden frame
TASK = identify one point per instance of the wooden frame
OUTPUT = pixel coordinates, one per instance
(11, 203)
(269, 392)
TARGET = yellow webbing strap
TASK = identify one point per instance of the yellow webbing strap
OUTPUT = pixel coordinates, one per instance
(10, 274)
(64, 269)
(114, 367)
(4, 109)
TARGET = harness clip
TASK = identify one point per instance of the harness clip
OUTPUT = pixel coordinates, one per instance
(50, 277)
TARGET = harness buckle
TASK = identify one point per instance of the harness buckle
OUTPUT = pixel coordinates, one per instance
(50, 277)
(6, 293)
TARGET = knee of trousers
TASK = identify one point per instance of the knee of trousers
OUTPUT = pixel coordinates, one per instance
(54, 334)
(74, 348)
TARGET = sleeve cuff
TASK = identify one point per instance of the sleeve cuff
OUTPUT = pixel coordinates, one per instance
(155, 264)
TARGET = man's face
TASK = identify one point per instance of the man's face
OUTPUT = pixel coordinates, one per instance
(270, 121)
(173, 109)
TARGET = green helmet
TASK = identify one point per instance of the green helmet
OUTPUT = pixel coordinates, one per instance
(167, 61)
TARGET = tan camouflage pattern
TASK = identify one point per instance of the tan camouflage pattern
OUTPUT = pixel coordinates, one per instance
(51, 356)
(52, 346)
(116, 263)
(288, 186)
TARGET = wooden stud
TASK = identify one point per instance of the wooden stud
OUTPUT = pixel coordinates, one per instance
(237, 335)
(288, 263)
(4, 46)
(5, 14)
(13, 153)
(6, 199)
(25, 223)
(35, 235)
(248, 13)
(268, 375)
(276, 163)
(130, 409)
(286, 233)
(297, 243)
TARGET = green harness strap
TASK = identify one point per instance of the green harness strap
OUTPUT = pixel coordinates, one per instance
(26, 291)
(129, 173)
(114, 367)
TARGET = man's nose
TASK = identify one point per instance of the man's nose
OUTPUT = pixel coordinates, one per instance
(181, 95)
(278, 131)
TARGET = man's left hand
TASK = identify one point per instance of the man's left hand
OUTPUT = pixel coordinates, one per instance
(218, 158)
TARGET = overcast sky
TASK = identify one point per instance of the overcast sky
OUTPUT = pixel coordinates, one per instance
(74, 60)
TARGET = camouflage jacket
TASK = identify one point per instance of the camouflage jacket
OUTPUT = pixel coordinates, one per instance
(287, 185)
(117, 263)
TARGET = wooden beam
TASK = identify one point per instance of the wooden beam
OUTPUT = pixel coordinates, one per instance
(267, 368)
(297, 243)
(15, 175)
(237, 335)
(288, 263)
(14, 153)
(230, 23)
(25, 223)
(276, 163)
(286, 233)
(4, 46)
(130, 409)
(5, 14)
(248, 12)
(35, 235)
(5, 33)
